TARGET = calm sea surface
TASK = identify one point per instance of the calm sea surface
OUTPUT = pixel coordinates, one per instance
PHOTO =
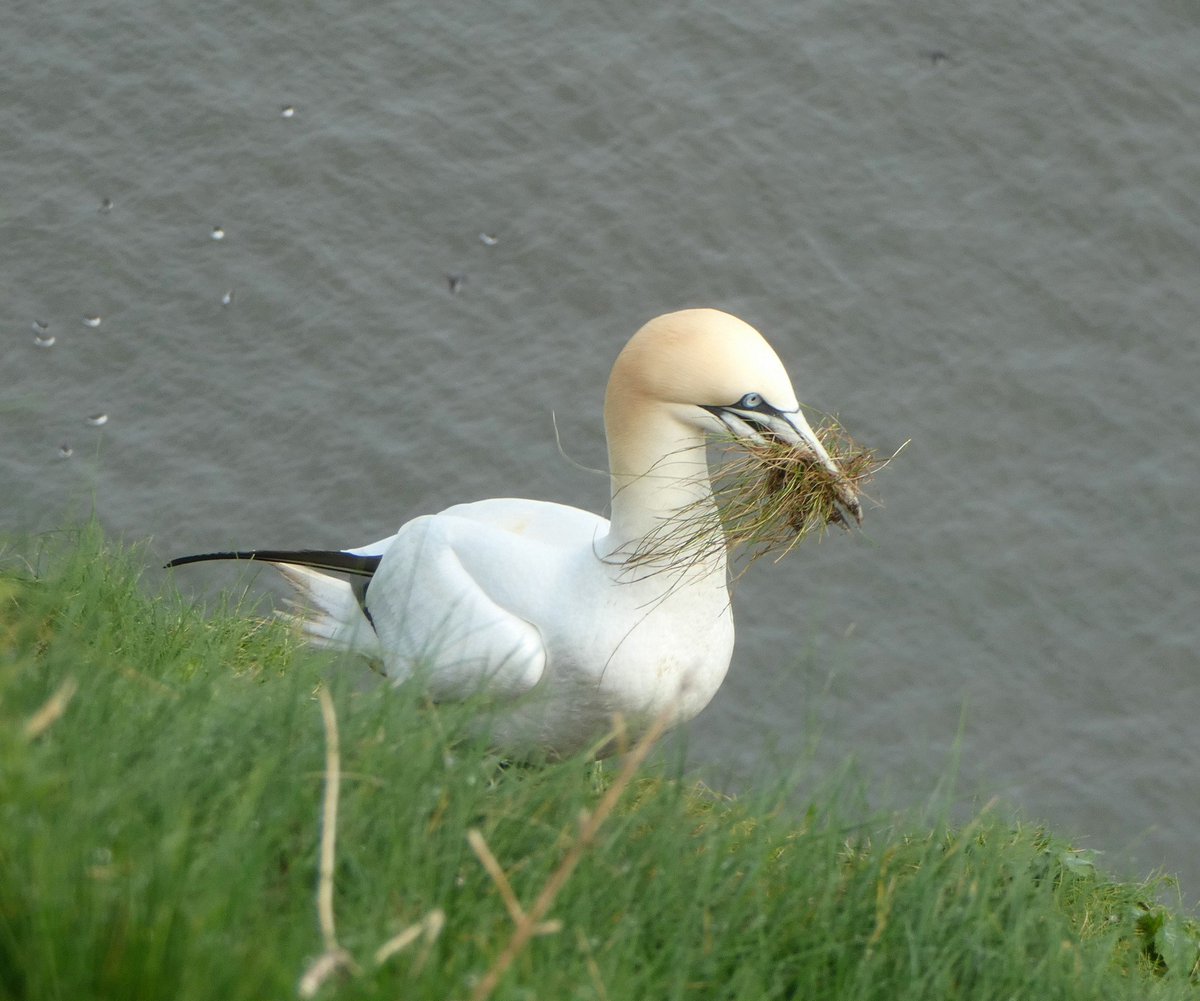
(971, 225)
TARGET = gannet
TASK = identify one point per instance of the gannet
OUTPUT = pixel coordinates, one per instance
(537, 605)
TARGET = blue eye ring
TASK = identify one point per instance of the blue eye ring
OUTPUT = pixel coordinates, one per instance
(751, 401)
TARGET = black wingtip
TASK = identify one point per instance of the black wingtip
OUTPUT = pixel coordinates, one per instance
(318, 559)
(204, 557)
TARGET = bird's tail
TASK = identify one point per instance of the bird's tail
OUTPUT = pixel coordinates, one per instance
(330, 611)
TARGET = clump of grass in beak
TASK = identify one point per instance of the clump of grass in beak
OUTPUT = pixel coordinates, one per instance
(772, 495)
(769, 496)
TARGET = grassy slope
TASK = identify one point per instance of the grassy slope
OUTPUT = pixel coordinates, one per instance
(159, 840)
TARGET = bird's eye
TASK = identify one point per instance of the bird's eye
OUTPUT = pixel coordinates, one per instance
(751, 401)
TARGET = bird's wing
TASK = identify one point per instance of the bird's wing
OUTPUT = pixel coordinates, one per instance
(438, 604)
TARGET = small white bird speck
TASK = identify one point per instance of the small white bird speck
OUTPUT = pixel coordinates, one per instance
(287, 111)
(91, 321)
(41, 326)
(65, 451)
(96, 420)
(218, 233)
(44, 340)
(227, 298)
(488, 240)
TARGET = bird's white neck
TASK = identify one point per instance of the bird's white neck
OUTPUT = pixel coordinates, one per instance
(660, 480)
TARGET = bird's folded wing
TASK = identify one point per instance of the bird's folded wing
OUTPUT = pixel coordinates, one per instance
(442, 623)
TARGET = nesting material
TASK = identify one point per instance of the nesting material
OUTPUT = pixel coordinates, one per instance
(769, 496)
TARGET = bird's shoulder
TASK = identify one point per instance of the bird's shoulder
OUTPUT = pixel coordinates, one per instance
(539, 521)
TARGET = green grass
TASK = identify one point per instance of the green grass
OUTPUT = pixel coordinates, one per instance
(159, 838)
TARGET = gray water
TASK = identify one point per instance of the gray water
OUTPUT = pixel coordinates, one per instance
(971, 225)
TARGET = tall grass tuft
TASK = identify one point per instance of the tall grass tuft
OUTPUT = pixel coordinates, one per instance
(164, 775)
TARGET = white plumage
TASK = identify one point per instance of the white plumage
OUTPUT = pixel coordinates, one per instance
(536, 603)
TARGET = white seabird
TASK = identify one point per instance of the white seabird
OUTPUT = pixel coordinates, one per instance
(536, 604)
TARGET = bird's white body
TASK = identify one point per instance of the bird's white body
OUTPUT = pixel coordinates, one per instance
(515, 596)
(537, 605)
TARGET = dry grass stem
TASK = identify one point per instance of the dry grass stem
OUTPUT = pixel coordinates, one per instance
(616, 741)
(429, 926)
(51, 710)
(589, 826)
(321, 970)
(769, 496)
(593, 967)
(480, 847)
(328, 820)
(334, 957)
